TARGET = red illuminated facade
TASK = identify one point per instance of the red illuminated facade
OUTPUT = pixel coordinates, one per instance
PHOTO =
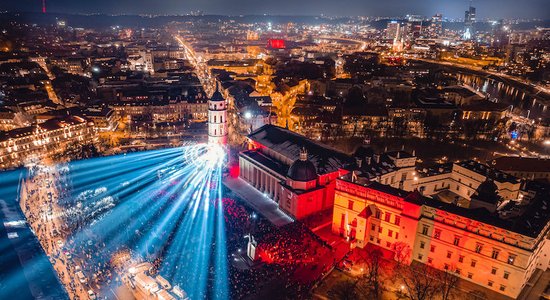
(276, 44)
(478, 246)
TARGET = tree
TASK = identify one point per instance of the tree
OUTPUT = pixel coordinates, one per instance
(344, 290)
(448, 283)
(419, 283)
(370, 283)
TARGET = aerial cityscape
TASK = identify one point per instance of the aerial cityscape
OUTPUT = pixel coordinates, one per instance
(237, 149)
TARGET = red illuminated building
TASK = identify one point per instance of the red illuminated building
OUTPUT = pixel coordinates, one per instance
(276, 44)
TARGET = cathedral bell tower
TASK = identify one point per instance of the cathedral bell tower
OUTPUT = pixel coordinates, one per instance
(217, 118)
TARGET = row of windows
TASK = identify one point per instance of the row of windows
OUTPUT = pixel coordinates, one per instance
(478, 248)
(471, 275)
(390, 232)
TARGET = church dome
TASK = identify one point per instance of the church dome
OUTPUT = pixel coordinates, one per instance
(302, 169)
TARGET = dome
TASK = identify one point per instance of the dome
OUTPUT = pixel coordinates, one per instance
(302, 170)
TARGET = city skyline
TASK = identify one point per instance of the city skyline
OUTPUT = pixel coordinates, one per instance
(450, 9)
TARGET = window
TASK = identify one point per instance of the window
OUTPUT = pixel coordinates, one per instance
(495, 253)
(446, 266)
(420, 256)
(493, 271)
(430, 260)
(470, 275)
(388, 244)
(456, 241)
(390, 233)
(422, 245)
(425, 230)
(490, 283)
(350, 204)
(479, 247)
(432, 248)
(371, 238)
(506, 275)
(511, 259)
(502, 288)
(461, 258)
(457, 271)
(437, 234)
(387, 217)
(449, 254)
(377, 214)
(396, 235)
(378, 241)
(473, 264)
(373, 227)
(380, 229)
(397, 220)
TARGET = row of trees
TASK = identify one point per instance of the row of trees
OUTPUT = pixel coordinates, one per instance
(416, 282)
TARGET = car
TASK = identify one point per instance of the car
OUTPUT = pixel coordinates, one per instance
(80, 277)
(91, 295)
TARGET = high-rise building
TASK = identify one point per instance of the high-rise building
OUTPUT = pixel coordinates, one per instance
(217, 119)
(436, 26)
(469, 22)
(393, 30)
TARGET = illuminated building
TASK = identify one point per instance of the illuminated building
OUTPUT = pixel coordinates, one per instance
(276, 44)
(393, 30)
(469, 23)
(299, 174)
(217, 119)
(459, 181)
(523, 167)
(47, 138)
(293, 171)
(485, 248)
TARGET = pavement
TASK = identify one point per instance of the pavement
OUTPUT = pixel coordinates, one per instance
(268, 208)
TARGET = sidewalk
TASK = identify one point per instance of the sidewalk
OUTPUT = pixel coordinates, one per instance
(265, 206)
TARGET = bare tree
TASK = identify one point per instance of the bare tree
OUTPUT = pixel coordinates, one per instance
(448, 283)
(419, 283)
(371, 281)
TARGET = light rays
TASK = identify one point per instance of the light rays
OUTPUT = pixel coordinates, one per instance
(164, 206)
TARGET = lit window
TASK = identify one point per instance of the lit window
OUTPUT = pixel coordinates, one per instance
(511, 259)
(390, 233)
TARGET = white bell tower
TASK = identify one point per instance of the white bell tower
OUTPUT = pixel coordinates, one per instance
(217, 119)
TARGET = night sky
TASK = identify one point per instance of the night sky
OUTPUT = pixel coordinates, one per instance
(449, 8)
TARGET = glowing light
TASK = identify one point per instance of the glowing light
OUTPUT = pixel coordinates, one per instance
(248, 115)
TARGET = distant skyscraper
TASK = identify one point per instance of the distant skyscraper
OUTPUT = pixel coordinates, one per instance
(436, 26)
(469, 22)
(393, 30)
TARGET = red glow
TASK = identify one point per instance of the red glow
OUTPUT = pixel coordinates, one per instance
(276, 44)
(43, 6)
(234, 171)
